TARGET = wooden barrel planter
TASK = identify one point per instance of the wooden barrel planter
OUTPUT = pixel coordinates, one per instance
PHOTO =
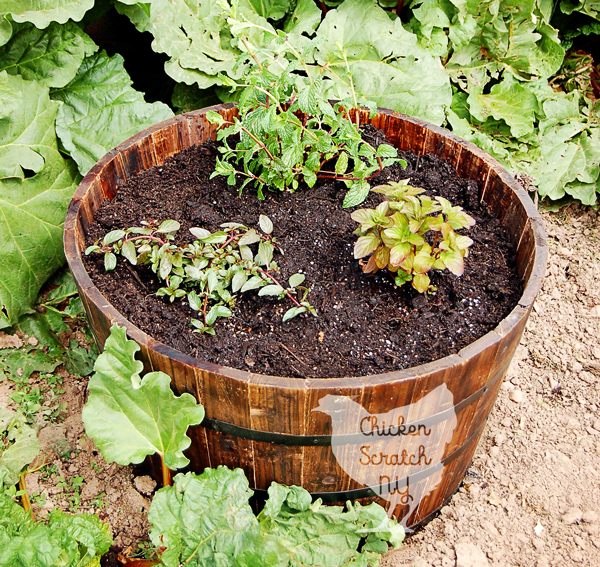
(330, 435)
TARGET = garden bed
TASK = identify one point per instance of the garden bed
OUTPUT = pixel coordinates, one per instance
(365, 324)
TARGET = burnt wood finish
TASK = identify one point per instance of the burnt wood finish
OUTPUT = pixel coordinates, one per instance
(266, 424)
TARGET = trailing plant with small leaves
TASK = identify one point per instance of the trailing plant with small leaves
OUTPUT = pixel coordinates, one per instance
(287, 132)
(212, 270)
(405, 235)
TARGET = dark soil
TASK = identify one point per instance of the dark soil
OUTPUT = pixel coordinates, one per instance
(365, 325)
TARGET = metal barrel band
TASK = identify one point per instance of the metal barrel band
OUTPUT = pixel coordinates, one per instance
(351, 438)
(371, 491)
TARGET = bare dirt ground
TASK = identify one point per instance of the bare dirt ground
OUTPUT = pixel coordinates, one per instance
(532, 495)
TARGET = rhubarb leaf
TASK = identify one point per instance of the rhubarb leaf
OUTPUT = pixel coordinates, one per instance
(68, 540)
(128, 419)
(42, 13)
(50, 56)
(384, 60)
(101, 110)
(36, 185)
(205, 521)
(19, 445)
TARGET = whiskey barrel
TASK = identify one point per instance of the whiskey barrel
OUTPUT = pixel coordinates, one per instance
(331, 436)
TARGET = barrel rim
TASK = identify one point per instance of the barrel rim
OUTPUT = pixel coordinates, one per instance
(489, 340)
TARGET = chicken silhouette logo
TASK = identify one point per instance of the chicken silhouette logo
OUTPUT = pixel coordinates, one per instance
(398, 454)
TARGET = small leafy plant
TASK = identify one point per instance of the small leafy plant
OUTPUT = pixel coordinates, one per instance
(288, 132)
(212, 270)
(405, 235)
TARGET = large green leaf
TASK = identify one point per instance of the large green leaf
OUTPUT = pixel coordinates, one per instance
(304, 19)
(568, 159)
(50, 56)
(305, 533)
(42, 13)
(5, 29)
(268, 9)
(204, 520)
(101, 110)
(384, 60)
(36, 184)
(194, 35)
(18, 445)
(67, 540)
(129, 419)
(509, 101)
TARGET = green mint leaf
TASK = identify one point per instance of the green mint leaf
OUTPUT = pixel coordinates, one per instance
(168, 227)
(265, 253)
(110, 261)
(128, 250)
(194, 301)
(250, 237)
(212, 280)
(292, 312)
(200, 233)
(214, 118)
(341, 165)
(357, 193)
(386, 151)
(165, 266)
(253, 283)
(238, 280)
(113, 236)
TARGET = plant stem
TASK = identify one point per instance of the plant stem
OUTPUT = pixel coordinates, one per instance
(251, 54)
(145, 237)
(166, 473)
(261, 144)
(272, 278)
(25, 496)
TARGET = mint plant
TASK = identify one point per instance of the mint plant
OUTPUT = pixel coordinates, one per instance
(287, 131)
(209, 272)
(405, 235)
